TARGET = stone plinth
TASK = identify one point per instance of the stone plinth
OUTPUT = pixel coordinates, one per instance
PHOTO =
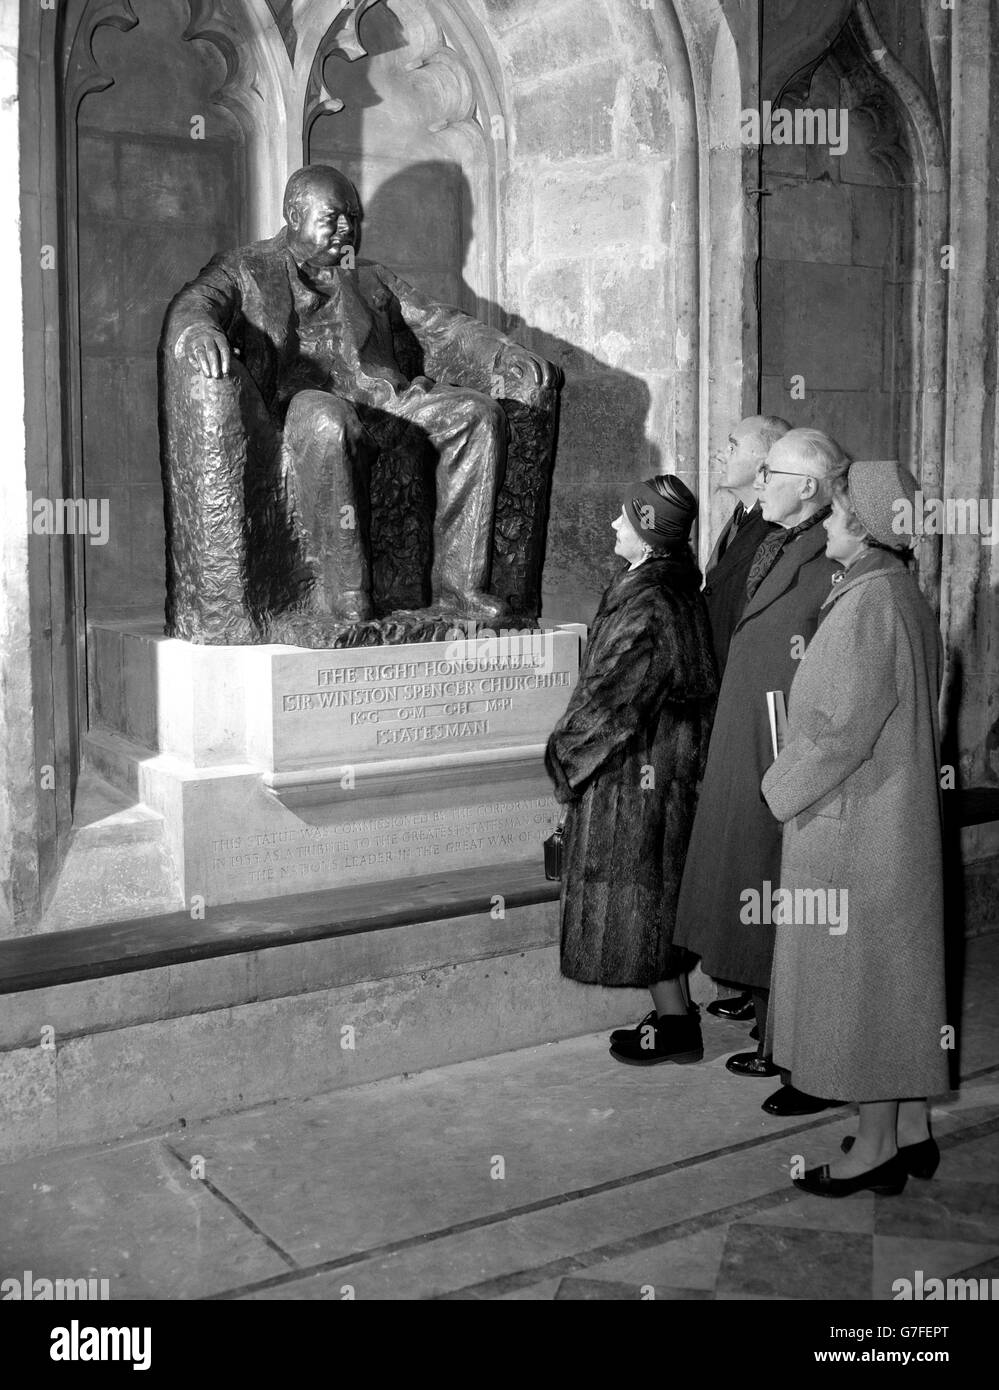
(278, 769)
(398, 703)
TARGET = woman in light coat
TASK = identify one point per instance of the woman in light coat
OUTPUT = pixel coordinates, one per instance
(858, 1011)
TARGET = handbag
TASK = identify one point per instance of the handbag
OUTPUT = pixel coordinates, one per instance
(554, 847)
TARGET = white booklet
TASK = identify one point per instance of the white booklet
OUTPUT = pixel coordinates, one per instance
(777, 713)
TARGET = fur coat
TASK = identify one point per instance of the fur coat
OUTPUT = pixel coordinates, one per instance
(856, 1012)
(626, 758)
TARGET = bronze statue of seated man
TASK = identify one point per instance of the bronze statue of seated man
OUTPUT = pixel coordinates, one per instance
(280, 382)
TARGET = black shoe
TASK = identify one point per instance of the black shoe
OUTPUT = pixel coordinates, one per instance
(921, 1160)
(672, 1038)
(887, 1179)
(740, 1008)
(752, 1064)
(790, 1101)
(633, 1035)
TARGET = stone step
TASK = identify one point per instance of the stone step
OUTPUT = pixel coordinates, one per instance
(144, 1024)
(104, 950)
(104, 815)
(118, 865)
(115, 760)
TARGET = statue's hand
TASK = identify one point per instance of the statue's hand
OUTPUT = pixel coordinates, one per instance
(209, 351)
(522, 365)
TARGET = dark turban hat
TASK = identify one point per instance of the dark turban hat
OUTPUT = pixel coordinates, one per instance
(662, 509)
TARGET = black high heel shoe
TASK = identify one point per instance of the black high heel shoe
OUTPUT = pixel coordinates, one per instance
(921, 1160)
(887, 1180)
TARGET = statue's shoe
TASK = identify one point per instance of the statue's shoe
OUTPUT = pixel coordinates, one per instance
(354, 606)
(475, 605)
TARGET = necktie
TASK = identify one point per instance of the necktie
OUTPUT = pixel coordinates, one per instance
(730, 530)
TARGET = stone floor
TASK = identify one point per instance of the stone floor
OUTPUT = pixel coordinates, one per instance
(549, 1173)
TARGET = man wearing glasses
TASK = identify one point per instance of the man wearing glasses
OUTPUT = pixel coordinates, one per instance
(736, 842)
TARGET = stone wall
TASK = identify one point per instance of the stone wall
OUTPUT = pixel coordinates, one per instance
(18, 862)
(419, 208)
(970, 569)
(155, 204)
(840, 312)
(590, 209)
(832, 286)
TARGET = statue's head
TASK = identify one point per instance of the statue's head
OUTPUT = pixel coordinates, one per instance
(323, 213)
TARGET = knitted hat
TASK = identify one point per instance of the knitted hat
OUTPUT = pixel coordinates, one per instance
(877, 487)
(662, 509)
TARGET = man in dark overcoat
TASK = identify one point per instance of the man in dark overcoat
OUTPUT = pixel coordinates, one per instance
(735, 844)
(727, 571)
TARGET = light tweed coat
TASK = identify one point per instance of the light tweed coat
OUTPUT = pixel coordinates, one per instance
(857, 1016)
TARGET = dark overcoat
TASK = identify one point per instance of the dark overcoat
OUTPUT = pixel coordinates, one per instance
(626, 758)
(857, 1010)
(735, 843)
(725, 577)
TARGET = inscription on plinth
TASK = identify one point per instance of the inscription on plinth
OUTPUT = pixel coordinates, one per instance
(259, 862)
(357, 704)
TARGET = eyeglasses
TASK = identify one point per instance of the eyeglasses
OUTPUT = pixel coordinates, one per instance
(767, 473)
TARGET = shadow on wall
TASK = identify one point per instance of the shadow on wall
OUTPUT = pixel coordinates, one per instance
(602, 441)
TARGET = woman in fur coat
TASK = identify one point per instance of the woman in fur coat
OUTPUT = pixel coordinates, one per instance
(626, 758)
(858, 1006)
